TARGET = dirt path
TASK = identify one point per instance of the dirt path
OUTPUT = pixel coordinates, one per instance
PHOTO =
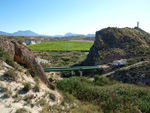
(83, 41)
(136, 64)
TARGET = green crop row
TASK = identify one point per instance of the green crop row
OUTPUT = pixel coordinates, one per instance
(61, 46)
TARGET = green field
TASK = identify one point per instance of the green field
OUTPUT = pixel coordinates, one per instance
(61, 46)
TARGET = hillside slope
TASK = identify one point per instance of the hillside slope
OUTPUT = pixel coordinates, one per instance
(133, 75)
(115, 43)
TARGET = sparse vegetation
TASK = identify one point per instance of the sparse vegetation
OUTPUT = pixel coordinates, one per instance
(11, 75)
(6, 58)
(28, 98)
(61, 59)
(41, 102)
(36, 88)
(7, 94)
(22, 110)
(27, 86)
(32, 72)
(52, 86)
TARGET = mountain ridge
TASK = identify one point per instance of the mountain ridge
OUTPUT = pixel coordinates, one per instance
(31, 33)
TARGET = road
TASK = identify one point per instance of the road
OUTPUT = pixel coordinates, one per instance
(136, 64)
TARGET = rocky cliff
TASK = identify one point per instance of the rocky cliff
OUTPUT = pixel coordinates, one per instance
(23, 55)
(116, 43)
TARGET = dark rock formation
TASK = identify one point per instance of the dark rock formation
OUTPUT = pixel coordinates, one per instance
(116, 43)
(24, 56)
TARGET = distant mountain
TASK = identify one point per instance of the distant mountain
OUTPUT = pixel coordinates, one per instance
(73, 34)
(90, 35)
(4, 33)
(31, 33)
(25, 33)
(20, 33)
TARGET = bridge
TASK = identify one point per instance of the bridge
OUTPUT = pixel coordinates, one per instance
(80, 68)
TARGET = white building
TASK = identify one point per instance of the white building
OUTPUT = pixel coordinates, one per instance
(29, 42)
(119, 62)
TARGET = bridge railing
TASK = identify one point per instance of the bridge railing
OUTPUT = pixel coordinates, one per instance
(80, 68)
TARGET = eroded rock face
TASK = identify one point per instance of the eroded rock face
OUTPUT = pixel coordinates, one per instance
(24, 56)
(8, 47)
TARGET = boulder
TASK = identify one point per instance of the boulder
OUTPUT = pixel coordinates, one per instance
(25, 56)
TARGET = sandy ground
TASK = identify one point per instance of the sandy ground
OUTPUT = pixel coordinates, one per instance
(8, 105)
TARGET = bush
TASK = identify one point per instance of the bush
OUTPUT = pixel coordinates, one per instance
(65, 73)
(7, 94)
(32, 72)
(115, 98)
(21, 110)
(100, 80)
(52, 86)
(36, 79)
(36, 88)
(28, 98)
(50, 79)
(27, 87)
(11, 74)
(6, 58)
(41, 102)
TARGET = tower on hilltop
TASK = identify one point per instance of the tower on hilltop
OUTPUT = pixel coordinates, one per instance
(137, 24)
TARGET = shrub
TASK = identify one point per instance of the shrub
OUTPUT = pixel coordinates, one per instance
(65, 73)
(50, 79)
(11, 74)
(52, 86)
(32, 72)
(20, 41)
(17, 98)
(114, 98)
(100, 80)
(27, 87)
(7, 94)
(36, 79)
(21, 110)
(28, 98)
(41, 102)
(46, 109)
(36, 88)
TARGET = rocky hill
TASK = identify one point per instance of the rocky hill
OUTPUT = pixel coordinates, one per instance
(133, 75)
(24, 56)
(115, 43)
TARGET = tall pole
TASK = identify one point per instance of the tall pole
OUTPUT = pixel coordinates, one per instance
(137, 24)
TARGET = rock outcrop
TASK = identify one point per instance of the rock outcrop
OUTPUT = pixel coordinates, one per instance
(23, 55)
(116, 43)
(8, 47)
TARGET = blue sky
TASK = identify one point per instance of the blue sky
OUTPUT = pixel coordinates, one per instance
(54, 17)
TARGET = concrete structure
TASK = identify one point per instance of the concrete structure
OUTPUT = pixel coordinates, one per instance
(137, 24)
(119, 62)
(29, 42)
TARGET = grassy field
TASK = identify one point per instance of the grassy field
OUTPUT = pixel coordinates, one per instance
(61, 46)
